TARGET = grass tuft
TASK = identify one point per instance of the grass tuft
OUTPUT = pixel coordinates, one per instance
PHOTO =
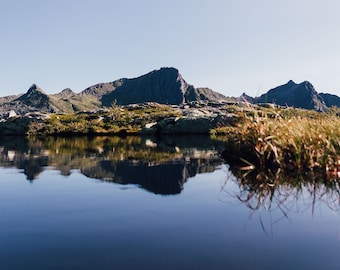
(286, 139)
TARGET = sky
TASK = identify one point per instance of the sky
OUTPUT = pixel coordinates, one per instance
(227, 45)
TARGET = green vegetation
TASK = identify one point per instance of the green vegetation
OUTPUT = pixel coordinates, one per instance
(277, 155)
(273, 140)
(117, 120)
(260, 140)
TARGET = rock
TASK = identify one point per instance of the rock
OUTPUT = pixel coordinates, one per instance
(15, 126)
(157, 127)
(150, 125)
(12, 114)
(190, 125)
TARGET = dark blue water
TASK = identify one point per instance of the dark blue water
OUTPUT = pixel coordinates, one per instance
(152, 204)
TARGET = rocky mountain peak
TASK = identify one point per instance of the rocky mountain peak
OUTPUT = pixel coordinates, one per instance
(35, 99)
(246, 98)
(302, 95)
(308, 85)
(33, 89)
(291, 82)
(67, 92)
(165, 86)
(330, 100)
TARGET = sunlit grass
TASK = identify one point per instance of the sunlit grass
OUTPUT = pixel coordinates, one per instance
(279, 140)
(117, 120)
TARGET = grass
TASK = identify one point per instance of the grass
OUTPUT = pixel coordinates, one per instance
(116, 121)
(259, 139)
(293, 141)
(278, 155)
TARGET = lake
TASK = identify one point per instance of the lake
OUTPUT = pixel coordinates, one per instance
(154, 203)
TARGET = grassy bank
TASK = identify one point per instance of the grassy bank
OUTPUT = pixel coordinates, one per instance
(116, 121)
(289, 140)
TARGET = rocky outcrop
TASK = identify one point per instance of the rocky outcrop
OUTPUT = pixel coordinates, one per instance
(196, 119)
(15, 126)
(182, 125)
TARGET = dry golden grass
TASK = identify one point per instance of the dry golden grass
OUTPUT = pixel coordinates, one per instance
(268, 142)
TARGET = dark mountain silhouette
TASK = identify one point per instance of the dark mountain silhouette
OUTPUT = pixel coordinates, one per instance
(301, 95)
(331, 100)
(165, 86)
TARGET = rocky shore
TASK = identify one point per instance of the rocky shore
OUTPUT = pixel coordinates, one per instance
(145, 118)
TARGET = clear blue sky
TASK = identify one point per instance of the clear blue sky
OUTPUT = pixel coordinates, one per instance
(231, 46)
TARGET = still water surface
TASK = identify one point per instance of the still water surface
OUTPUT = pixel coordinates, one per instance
(153, 203)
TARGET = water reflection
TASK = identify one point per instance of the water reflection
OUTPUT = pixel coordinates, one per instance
(282, 194)
(160, 165)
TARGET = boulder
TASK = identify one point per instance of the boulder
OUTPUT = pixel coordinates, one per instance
(182, 125)
(190, 125)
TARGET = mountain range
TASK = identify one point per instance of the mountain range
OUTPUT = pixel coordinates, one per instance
(291, 94)
(165, 86)
(301, 95)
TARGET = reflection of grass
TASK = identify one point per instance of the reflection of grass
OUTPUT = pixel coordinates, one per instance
(285, 139)
(279, 155)
(110, 148)
(257, 191)
(282, 194)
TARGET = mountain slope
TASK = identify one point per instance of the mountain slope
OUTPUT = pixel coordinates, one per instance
(34, 100)
(165, 86)
(101, 89)
(201, 94)
(301, 95)
(7, 99)
(245, 98)
(331, 100)
(68, 101)
(35, 97)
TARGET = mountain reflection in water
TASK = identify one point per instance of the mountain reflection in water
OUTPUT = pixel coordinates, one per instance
(159, 165)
